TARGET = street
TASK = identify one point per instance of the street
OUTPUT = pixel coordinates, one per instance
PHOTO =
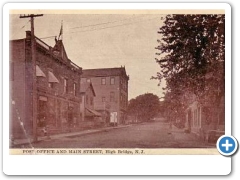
(146, 135)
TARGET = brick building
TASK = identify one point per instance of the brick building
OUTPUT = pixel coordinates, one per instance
(111, 88)
(57, 88)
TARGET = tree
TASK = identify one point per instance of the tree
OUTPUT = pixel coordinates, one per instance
(192, 56)
(144, 107)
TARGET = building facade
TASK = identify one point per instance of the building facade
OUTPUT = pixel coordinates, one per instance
(57, 88)
(111, 88)
(87, 105)
(205, 120)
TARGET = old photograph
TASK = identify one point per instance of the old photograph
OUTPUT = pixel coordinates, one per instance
(116, 82)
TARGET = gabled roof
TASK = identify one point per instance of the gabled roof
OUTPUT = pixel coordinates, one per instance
(104, 72)
(85, 86)
(60, 50)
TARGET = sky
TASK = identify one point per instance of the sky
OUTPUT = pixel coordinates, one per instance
(104, 41)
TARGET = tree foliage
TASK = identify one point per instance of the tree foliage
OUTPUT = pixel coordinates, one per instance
(192, 55)
(144, 107)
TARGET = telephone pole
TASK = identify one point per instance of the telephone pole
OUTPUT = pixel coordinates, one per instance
(34, 87)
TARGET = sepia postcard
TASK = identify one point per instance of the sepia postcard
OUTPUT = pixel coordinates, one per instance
(116, 82)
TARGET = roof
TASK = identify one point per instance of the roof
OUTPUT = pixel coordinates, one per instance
(39, 72)
(60, 49)
(84, 87)
(118, 71)
(92, 113)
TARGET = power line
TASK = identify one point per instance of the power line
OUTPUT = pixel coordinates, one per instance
(47, 37)
(21, 28)
(102, 27)
(104, 23)
(115, 26)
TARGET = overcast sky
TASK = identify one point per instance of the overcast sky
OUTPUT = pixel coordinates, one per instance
(104, 41)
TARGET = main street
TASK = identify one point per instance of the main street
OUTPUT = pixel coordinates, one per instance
(146, 135)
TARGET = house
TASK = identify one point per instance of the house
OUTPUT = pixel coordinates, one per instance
(88, 114)
(57, 88)
(206, 120)
(111, 88)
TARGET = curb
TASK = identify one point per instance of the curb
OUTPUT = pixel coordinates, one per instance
(77, 134)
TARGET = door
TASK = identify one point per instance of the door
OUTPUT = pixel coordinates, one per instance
(189, 119)
(42, 112)
(113, 118)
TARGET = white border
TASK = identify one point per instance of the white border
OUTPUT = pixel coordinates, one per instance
(110, 6)
(114, 165)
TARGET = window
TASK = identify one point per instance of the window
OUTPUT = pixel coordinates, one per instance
(81, 116)
(52, 80)
(86, 99)
(88, 80)
(50, 84)
(12, 71)
(74, 89)
(103, 99)
(198, 116)
(112, 98)
(83, 79)
(195, 117)
(112, 80)
(103, 82)
(91, 101)
(65, 85)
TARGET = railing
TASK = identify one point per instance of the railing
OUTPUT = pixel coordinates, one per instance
(41, 43)
(74, 65)
(47, 47)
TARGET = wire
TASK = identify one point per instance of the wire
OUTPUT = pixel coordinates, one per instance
(104, 23)
(114, 26)
(21, 28)
(47, 37)
(105, 27)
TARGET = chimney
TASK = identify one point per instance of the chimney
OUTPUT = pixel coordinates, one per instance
(28, 34)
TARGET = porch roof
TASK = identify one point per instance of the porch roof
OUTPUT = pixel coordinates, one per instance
(92, 113)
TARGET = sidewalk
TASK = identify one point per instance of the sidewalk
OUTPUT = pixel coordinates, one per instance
(19, 142)
(190, 138)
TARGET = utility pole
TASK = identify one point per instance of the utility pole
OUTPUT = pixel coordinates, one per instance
(34, 87)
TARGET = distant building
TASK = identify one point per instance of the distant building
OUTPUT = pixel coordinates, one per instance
(111, 88)
(87, 105)
(206, 120)
(57, 88)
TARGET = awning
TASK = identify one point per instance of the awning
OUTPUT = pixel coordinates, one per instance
(52, 78)
(39, 72)
(92, 113)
